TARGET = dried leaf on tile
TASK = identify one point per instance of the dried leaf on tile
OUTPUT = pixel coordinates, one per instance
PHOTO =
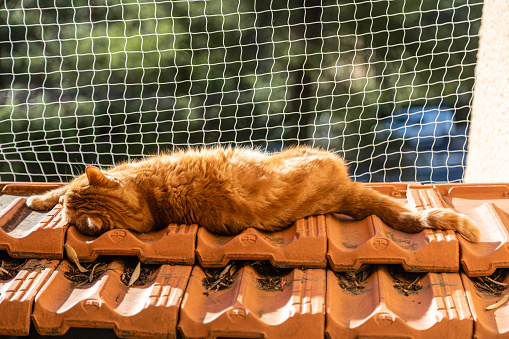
(407, 283)
(91, 276)
(271, 277)
(219, 278)
(80, 278)
(353, 282)
(71, 253)
(138, 275)
(135, 275)
(498, 303)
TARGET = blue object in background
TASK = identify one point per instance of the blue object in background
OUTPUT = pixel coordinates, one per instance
(429, 140)
(421, 128)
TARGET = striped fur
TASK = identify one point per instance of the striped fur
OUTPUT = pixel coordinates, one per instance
(229, 189)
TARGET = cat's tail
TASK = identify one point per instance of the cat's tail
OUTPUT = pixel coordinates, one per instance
(363, 201)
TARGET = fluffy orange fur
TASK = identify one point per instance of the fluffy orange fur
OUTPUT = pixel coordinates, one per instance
(227, 190)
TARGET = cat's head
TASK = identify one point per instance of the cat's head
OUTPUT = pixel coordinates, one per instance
(98, 201)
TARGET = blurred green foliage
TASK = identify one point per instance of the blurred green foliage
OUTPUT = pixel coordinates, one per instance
(97, 81)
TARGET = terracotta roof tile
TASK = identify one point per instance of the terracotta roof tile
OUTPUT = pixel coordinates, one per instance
(488, 205)
(150, 310)
(305, 303)
(246, 310)
(370, 241)
(304, 244)
(173, 244)
(488, 323)
(353, 243)
(377, 309)
(27, 188)
(28, 234)
(18, 293)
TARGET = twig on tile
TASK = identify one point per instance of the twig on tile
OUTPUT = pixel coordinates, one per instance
(496, 282)
(405, 282)
(92, 273)
(3, 270)
(219, 280)
(216, 280)
(10, 267)
(413, 283)
(350, 282)
(76, 276)
(483, 285)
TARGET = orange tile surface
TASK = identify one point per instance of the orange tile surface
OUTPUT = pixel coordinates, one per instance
(488, 323)
(438, 309)
(396, 190)
(17, 295)
(150, 310)
(488, 205)
(302, 245)
(311, 304)
(246, 311)
(29, 234)
(27, 188)
(174, 244)
(353, 243)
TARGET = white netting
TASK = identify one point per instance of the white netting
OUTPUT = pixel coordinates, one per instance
(388, 84)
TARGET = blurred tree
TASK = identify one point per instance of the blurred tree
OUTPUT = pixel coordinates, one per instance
(95, 81)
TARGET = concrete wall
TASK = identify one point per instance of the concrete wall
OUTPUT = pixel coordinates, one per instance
(488, 149)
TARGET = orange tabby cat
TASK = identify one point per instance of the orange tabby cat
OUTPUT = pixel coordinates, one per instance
(227, 190)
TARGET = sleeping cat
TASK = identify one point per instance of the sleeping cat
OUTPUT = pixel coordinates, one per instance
(227, 190)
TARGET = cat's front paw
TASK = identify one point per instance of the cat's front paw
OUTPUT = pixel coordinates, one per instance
(40, 203)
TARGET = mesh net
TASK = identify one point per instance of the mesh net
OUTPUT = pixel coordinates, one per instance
(387, 84)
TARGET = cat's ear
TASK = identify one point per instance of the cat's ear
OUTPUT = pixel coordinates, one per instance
(96, 177)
